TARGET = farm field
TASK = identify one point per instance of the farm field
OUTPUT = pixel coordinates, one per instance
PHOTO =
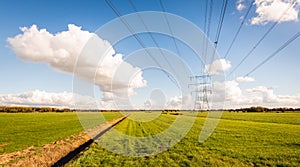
(240, 139)
(22, 130)
(283, 118)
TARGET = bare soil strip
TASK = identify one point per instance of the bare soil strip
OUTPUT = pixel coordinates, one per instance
(4, 144)
(95, 135)
(59, 152)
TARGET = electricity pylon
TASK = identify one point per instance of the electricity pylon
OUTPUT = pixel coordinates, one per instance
(202, 86)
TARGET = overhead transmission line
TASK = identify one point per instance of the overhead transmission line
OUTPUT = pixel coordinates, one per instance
(221, 20)
(205, 15)
(114, 9)
(204, 31)
(239, 29)
(209, 16)
(293, 38)
(263, 37)
(220, 25)
(169, 27)
(207, 29)
(206, 78)
(150, 34)
(171, 31)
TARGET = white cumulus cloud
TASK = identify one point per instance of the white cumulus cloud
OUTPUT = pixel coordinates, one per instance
(42, 98)
(174, 103)
(226, 91)
(218, 66)
(275, 11)
(61, 50)
(245, 79)
(228, 94)
(271, 99)
(240, 5)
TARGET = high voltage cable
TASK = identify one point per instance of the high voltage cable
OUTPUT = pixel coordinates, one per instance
(219, 28)
(220, 25)
(239, 29)
(205, 15)
(209, 17)
(150, 34)
(275, 53)
(262, 38)
(169, 27)
(208, 29)
(137, 38)
(205, 31)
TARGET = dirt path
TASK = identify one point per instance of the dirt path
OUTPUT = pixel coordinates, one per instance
(59, 152)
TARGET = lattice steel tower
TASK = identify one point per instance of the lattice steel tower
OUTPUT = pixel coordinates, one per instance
(202, 84)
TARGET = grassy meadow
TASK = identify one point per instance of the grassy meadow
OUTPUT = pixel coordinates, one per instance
(22, 130)
(240, 139)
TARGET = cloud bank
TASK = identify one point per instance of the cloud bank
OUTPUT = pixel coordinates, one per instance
(245, 79)
(240, 5)
(229, 95)
(218, 66)
(39, 98)
(61, 50)
(275, 11)
(226, 94)
(269, 98)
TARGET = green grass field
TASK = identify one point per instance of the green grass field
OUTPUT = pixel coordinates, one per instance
(282, 118)
(241, 139)
(22, 130)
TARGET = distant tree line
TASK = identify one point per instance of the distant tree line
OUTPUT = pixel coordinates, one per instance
(264, 109)
(22, 109)
(17, 109)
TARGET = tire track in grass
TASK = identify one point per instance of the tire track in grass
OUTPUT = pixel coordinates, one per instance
(143, 145)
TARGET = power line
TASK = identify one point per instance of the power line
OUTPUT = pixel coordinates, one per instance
(150, 34)
(170, 29)
(239, 29)
(205, 89)
(209, 17)
(205, 15)
(208, 28)
(262, 38)
(204, 97)
(137, 37)
(205, 31)
(220, 25)
(275, 53)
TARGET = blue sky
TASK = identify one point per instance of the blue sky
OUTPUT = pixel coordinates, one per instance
(279, 75)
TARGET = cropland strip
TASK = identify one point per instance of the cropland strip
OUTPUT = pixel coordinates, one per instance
(58, 152)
